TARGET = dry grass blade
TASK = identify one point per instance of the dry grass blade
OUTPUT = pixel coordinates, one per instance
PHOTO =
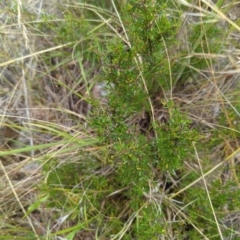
(19, 201)
(35, 54)
(205, 174)
(208, 195)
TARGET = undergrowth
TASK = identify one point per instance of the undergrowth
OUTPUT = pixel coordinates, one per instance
(137, 160)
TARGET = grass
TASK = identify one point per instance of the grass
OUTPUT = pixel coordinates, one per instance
(119, 120)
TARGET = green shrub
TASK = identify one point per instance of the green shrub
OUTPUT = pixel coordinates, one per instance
(116, 182)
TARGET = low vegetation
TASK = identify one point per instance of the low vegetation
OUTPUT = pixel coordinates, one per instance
(119, 120)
